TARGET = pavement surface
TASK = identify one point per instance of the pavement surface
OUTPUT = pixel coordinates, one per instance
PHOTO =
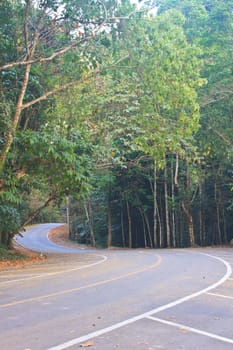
(176, 299)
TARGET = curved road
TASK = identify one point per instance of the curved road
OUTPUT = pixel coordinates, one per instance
(36, 238)
(121, 299)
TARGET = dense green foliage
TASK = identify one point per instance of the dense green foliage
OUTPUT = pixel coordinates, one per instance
(124, 115)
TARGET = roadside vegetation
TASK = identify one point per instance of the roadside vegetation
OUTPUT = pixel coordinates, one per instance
(117, 118)
(7, 255)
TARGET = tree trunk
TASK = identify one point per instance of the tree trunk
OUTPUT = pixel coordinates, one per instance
(217, 212)
(166, 207)
(190, 224)
(68, 215)
(155, 207)
(185, 204)
(160, 228)
(161, 225)
(200, 215)
(93, 242)
(89, 215)
(224, 227)
(143, 226)
(122, 228)
(129, 224)
(148, 229)
(109, 225)
(6, 239)
(173, 205)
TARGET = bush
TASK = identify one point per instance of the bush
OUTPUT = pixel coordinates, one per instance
(9, 224)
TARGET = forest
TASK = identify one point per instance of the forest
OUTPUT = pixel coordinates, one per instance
(116, 117)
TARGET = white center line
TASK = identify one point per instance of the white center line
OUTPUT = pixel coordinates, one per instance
(113, 327)
(220, 295)
(191, 329)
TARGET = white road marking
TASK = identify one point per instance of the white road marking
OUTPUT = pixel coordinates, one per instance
(191, 329)
(113, 327)
(220, 295)
(227, 257)
(58, 272)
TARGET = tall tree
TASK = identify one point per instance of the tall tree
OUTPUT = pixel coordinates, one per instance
(209, 24)
(169, 114)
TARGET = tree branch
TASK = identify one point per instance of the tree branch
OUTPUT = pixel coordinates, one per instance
(44, 59)
(227, 141)
(38, 210)
(214, 100)
(72, 83)
(55, 54)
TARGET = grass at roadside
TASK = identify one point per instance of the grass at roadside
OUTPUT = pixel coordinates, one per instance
(18, 258)
(6, 255)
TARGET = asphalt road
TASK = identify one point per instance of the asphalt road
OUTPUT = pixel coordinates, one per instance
(179, 299)
(36, 238)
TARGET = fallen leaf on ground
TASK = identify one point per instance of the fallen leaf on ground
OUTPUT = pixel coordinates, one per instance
(87, 344)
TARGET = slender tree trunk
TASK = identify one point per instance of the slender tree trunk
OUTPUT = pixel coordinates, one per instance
(155, 207)
(173, 205)
(129, 224)
(185, 204)
(148, 229)
(93, 242)
(190, 224)
(88, 211)
(161, 223)
(217, 212)
(143, 226)
(224, 227)
(122, 228)
(200, 215)
(109, 225)
(160, 228)
(218, 224)
(68, 215)
(166, 207)
(203, 216)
